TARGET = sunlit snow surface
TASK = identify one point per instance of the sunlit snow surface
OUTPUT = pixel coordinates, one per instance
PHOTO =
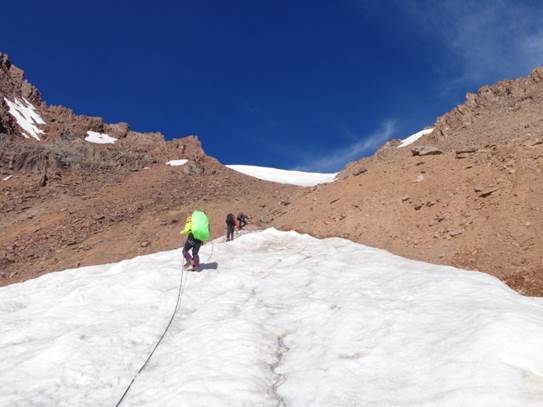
(99, 138)
(176, 163)
(283, 317)
(26, 116)
(414, 137)
(304, 179)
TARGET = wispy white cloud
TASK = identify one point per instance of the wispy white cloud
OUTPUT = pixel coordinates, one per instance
(488, 39)
(336, 159)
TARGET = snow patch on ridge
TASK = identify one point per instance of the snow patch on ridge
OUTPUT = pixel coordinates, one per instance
(26, 116)
(414, 137)
(286, 318)
(99, 138)
(176, 163)
(300, 178)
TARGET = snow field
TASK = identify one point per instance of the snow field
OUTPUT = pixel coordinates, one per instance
(282, 318)
(26, 116)
(300, 178)
(414, 137)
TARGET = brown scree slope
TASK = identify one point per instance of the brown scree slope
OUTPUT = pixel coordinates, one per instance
(477, 205)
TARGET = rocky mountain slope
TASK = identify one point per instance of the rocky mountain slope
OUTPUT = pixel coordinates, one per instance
(468, 194)
(77, 191)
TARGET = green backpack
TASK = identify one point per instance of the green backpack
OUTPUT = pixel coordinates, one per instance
(200, 226)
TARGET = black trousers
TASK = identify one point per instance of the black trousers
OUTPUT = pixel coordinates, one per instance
(192, 243)
(229, 232)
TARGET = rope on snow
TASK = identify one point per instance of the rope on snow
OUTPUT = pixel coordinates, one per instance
(179, 296)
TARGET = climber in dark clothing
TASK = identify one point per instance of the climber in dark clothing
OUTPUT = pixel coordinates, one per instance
(242, 220)
(230, 226)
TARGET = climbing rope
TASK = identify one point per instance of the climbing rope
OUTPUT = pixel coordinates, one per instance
(179, 296)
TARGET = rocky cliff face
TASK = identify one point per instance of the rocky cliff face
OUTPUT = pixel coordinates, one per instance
(13, 84)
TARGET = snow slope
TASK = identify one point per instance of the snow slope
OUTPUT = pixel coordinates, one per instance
(26, 116)
(99, 138)
(303, 179)
(284, 318)
(414, 137)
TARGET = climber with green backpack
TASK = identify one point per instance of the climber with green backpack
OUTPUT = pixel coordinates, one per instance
(197, 231)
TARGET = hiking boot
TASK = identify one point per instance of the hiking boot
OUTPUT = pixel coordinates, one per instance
(196, 264)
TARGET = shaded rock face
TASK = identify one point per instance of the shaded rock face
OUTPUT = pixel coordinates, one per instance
(63, 154)
(4, 127)
(12, 82)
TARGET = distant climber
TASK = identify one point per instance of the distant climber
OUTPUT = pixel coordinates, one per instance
(230, 226)
(242, 220)
(197, 231)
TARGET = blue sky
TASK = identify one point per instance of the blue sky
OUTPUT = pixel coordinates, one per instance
(291, 84)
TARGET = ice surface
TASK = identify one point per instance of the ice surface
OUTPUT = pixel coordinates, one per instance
(176, 163)
(414, 137)
(304, 179)
(26, 116)
(99, 138)
(274, 317)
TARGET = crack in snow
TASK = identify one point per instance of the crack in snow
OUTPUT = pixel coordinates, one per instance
(280, 378)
